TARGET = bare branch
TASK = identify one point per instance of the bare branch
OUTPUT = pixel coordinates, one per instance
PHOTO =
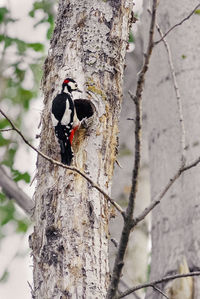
(158, 290)
(119, 260)
(159, 197)
(32, 290)
(72, 168)
(156, 201)
(183, 168)
(114, 241)
(178, 96)
(138, 127)
(191, 165)
(12, 190)
(155, 282)
(178, 24)
(124, 284)
(127, 226)
(5, 130)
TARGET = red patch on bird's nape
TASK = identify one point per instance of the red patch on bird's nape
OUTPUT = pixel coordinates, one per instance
(65, 81)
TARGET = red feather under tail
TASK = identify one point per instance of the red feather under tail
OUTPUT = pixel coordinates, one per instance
(72, 134)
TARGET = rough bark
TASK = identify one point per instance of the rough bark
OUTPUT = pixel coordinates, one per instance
(70, 239)
(175, 222)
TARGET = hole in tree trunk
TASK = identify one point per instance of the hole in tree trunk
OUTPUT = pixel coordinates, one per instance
(84, 108)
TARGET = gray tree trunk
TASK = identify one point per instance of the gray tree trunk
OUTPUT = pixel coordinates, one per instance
(175, 222)
(70, 238)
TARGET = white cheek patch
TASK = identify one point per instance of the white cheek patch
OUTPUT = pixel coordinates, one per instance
(54, 120)
(72, 85)
(67, 115)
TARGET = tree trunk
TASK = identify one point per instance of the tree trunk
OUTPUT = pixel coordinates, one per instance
(70, 239)
(175, 222)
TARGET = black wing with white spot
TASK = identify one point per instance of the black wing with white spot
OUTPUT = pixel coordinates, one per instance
(62, 118)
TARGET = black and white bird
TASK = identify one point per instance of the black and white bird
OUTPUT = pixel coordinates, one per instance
(64, 119)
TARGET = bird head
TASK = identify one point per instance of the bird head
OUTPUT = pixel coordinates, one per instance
(71, 85)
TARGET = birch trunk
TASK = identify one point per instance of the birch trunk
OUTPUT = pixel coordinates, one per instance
(70, 238)
(175, 222)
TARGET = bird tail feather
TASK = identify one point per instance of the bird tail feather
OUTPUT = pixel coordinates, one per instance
(66, 152)
(65, 145)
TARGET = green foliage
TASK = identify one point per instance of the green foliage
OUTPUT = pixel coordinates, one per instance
(131, 38)
(50, 20)
(38, 47)
(13, 77)
(8, 214)
(4, 276)
(9, 157)
(46, 7)
(21, 62)
(197, 12)
(3, 12)
(3, 141)
(4, 18)
(7, 211)
(3, 123)
(19, 176)
(124, 151)
(21, 45)
(148, 271)
(22, 226)
(37, 72)
(2, 197)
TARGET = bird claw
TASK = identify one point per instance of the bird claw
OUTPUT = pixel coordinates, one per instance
(82, 122)
(86, 122)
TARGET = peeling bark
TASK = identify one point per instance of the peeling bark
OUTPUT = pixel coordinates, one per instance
(70, 238)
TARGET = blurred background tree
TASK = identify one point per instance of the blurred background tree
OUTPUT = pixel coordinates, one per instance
(25, 30)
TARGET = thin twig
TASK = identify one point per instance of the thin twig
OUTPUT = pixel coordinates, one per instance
(156, 201)
(158, 290)
(191, 165)
(124, 284)
(159, 197)
(73, 168)
(183, 168)
(178, 97)
(178, 24)
(119, 260)
(155, 282)
(114, 241)
(118, 164)
(32, 290)
(131, 119)
(5, 130)
(138, 127)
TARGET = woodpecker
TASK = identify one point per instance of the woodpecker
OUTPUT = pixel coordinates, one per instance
(64, 119)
